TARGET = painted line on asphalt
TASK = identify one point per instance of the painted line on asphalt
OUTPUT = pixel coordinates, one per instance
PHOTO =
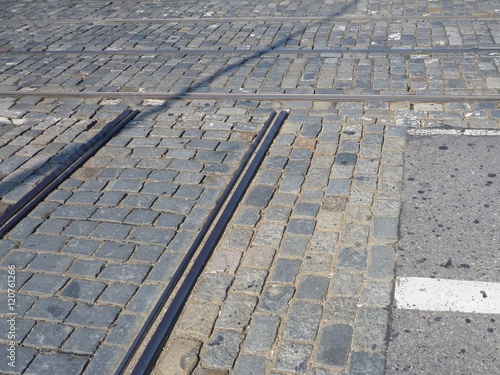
(418, 293)
(473, 132)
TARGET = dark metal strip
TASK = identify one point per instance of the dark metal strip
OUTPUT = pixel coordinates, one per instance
(255, 96)
(148, 359)
(19, 210)
(340, 18)
(281, 51)
(194, 247)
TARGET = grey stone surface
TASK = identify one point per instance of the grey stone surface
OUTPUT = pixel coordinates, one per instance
(334, 345)
(52, 364)
(222, 350)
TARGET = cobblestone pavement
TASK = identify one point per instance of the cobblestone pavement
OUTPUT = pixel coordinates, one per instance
(302, 279)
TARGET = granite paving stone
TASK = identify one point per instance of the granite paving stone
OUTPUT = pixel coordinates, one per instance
(313, 244)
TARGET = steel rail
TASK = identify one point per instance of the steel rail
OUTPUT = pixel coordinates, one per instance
(256, 96)
(339, 18)
(193, 248)
(150, 355)
(280, 51)
(19, 210)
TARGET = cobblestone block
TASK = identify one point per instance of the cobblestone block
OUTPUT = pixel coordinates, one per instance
(291, 184)
(50, 309)
(110, 214)
(44, 284)
(313, 288)
(222, 350)
(127, 186)
(278, 214)
(249, 280)
(247, 217)
(286, 270)
(261, 334)
(256, 257)
(370, 329)
(124, 330)
(52, 226)
(147, 253)
(235, 313)
(180, 357)
(134, 273)
(56, 364)
(250, 365)
(213, 287)
(301, 226)
(22, 328)
(334, 345)
(188, 192)
(144, 298)
(105, 360)
(367, 363)
(385, 228)
(293, 245)
(377, 294)
(168, 220)
(293, 357)
(84, 340)
(112, 198)
(20, 259)
(138, 200)
(83, 290)
(113, 232)
(152, 235)
(268, 235)
(117, 294)
(338, 187)
(50, 263)
(80, 228)
(84, 197)
(93, 315)
(73, 212)
(382, 262)
(23, 358)
(346, 283)
(204, 314)
(174, 205)
(80, 246)
(115, 250)
(303, 321)
(165, 267)
(26, 227)
(341, 309)
(276, 298)
(43, 242)
(259, 196)
(48, 335)
(349, 258)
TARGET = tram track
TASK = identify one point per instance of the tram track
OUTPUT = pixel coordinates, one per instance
(339, 18)
(254, 96)
(263, 52)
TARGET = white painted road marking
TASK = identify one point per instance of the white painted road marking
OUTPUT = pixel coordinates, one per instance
(418, 293)
(473, 132)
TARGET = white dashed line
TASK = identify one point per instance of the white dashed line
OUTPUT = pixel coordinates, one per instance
(417, 293)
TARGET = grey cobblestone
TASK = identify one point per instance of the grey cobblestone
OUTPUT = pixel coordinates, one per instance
(235, 313)
(294, 357)
(83, 290)
(92, 315)
(261, 334)
(48, 335)
(303, 321)
(56, 364)
(222, 350)
(50, 309)
(44, 284)
(334, 345)
(84, 340)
